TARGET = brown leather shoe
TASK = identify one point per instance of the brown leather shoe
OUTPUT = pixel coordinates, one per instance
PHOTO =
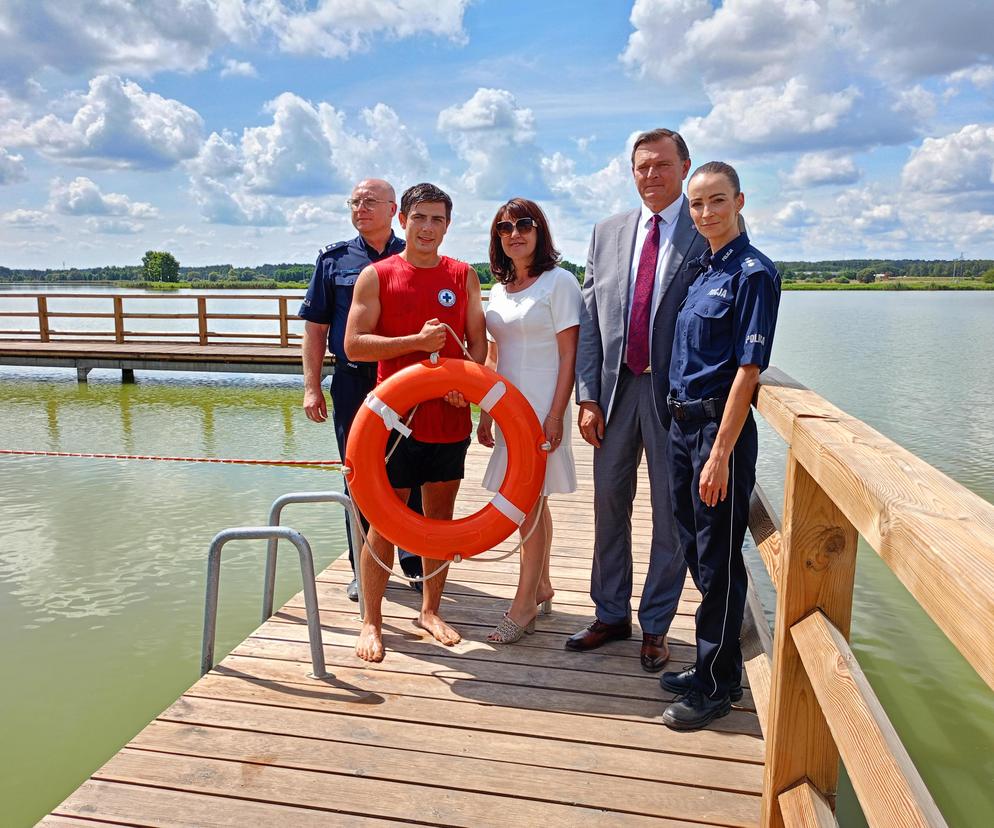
(655, 652)
(598, 633)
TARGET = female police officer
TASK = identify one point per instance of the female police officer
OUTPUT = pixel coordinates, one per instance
(724, 334)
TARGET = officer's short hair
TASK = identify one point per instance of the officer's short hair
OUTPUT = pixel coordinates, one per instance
(657, 135)
(719, 168)
(420, 193)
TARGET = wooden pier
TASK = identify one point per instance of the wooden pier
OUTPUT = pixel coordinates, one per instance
(114, 338)
(475, 734)
(531, 734)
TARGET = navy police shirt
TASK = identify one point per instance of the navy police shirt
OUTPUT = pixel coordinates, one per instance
(727, 320)
(329, 294)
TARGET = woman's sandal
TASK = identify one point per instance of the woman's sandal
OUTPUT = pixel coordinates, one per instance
(508, 632)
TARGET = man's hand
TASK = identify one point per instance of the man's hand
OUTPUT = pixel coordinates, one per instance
(315, 406)
(591, 423)
(432, 336)
(454, 398)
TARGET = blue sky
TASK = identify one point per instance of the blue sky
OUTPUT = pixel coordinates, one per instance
(230, 131)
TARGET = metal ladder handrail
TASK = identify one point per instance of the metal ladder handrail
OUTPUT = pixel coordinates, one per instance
(273, 534)
(276, 510)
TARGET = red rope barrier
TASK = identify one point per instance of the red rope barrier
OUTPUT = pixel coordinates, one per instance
(231, 461)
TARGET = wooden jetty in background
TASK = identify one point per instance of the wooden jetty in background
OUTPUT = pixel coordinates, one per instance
(190, 344)
(532, 734)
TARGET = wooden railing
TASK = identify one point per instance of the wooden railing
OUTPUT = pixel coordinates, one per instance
(846, 480)
(119, 317)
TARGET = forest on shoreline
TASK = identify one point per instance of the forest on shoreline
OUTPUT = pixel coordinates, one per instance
(840, 274)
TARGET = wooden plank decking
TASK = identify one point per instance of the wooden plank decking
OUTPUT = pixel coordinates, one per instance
(469, 735)
(154, 356)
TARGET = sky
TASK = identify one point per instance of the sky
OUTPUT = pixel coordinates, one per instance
(232, 131)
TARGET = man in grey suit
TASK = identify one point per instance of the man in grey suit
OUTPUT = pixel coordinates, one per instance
(639, 267)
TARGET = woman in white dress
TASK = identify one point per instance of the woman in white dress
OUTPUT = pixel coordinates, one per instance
(533, 319)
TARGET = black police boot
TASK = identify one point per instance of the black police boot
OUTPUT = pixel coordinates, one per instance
(695, 710)
(412, 568)
(681, 683)
(352, 590)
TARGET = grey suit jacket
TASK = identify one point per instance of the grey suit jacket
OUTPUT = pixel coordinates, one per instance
(604, 316)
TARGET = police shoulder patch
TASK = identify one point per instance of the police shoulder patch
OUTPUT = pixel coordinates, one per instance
(330, 247)
(751, 265)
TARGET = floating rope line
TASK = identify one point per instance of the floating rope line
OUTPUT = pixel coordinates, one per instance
(227, 460)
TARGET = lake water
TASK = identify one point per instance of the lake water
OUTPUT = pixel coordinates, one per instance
(102, 562)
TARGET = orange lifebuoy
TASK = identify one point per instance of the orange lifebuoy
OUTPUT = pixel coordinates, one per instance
(366, 473)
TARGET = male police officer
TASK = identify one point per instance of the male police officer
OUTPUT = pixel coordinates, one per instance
(326, 309)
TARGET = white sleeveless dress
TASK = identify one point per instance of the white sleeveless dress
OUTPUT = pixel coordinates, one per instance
(524, 326)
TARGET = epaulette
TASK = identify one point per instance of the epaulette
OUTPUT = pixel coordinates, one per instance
(330, 247)
(750, 265)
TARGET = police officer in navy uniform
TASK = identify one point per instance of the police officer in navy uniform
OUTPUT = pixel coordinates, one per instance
(326, 310)
(724, 335)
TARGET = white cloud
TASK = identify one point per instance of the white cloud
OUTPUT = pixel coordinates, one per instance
(959, 163)
(805, 74)
(598, 194)
(82, 197)
(219, 157)
(795, 214)
(981, 76)
(82, 36)
(119, 125)
(114, 226)
(238, 68)
(496, 139)
(220, 205)
(815, 169)
(771, 118)
(11, 167)
(740, 43)
(292, 156)
(339, 28)
(27, 218)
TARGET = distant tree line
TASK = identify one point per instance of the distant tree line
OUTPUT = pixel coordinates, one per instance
(270, 275)
(867, 270)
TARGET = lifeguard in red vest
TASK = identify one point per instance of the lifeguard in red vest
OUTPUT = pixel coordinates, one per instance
(400, 308)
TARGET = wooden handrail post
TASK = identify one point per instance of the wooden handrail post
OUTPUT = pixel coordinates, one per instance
(119, 319)
(817, 570)
(284, 325)
(43, 319)
(202, 318)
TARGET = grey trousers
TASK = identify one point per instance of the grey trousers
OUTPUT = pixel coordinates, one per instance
(634, 429)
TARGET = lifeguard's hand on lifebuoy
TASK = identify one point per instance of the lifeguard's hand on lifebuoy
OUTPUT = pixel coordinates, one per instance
(432, 336)
(454, 398)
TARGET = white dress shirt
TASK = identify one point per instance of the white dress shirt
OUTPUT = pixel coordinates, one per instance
(667, 222)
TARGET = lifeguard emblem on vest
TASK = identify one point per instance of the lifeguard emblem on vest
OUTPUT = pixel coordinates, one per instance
(446, 298)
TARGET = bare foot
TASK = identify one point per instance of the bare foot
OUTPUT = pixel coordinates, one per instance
(369, 647)
(440, 631)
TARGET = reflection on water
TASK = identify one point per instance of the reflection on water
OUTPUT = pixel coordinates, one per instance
(102, 562)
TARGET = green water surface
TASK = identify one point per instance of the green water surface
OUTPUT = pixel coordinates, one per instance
(102, 562)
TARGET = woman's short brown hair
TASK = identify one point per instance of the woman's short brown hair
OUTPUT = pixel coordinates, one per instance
(546, 255)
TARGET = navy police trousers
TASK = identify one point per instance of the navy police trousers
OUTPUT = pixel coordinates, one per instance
(348, 391)
(711, 539)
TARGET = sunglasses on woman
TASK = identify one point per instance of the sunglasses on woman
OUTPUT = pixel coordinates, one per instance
(523, 225)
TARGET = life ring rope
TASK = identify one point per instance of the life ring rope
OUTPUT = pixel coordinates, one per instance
(507, 509)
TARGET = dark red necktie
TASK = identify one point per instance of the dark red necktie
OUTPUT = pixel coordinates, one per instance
(637, 357)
